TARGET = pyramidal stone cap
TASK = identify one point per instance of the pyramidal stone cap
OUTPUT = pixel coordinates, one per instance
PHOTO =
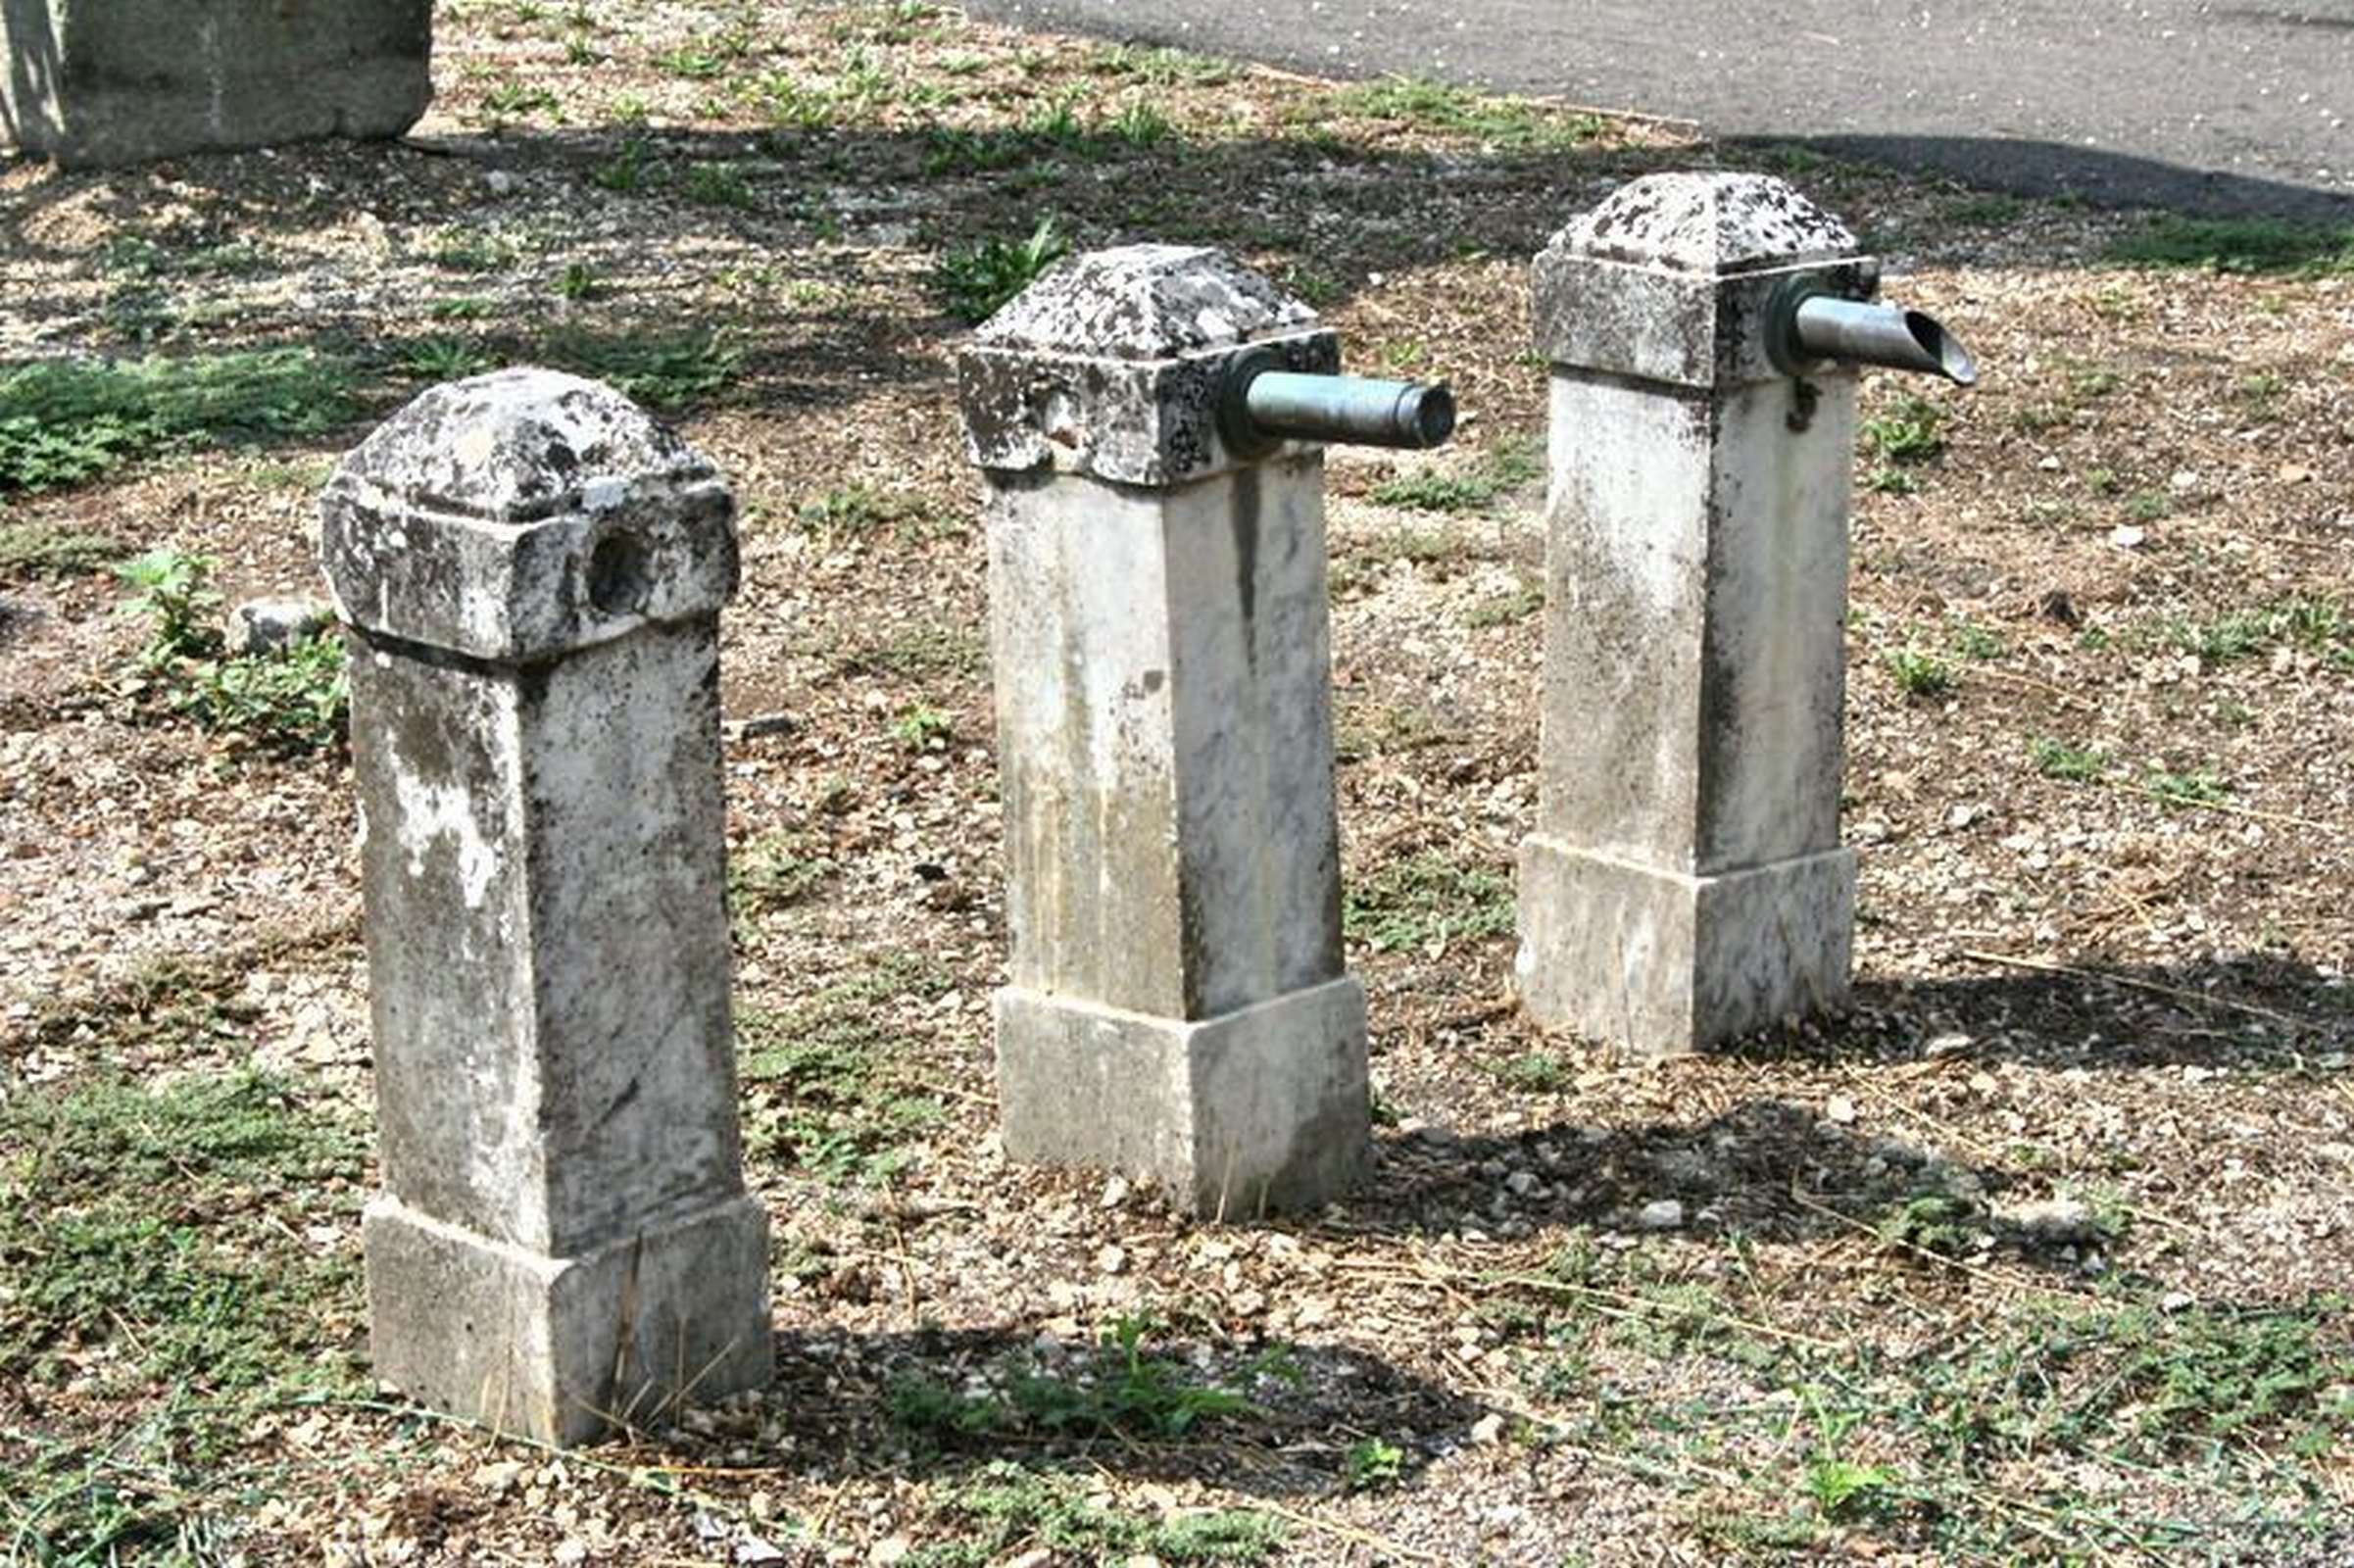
(1669, 278)
(1111, 364)
(517, 515)
(1717, 224)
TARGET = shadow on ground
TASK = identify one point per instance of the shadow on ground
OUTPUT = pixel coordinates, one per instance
(2255, 1011)
(1272, 1420)
(1767, 1169)
(2045, 169)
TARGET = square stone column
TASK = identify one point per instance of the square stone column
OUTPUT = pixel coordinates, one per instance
(1685, 881)
(1178, 1008)
(95, 83)
(531, 572)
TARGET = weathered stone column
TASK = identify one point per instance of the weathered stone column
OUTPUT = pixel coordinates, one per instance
(1685, 880)
(1178, 1008)
(99, 82)
(531, 572)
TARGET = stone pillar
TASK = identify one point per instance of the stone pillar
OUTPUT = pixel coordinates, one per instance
(531, 572)
(100, 82)
(1685, 880)
(1178, 1007)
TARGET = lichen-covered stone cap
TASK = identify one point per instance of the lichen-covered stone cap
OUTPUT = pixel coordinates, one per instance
(1144, 302)
(522, 513)
(1113, 365)
(518, 444)
(1716, 225)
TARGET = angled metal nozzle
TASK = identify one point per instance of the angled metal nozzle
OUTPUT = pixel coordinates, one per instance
(1262, 407)
(1812, 325)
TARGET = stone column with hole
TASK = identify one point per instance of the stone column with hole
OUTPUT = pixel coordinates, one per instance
(1178, 1008)
(1685, 880)
(530, 572)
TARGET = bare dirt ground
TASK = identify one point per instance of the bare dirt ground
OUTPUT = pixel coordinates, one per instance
(2032, 1255)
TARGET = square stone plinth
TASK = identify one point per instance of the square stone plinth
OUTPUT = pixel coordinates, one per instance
(562, 1349)
(98, 83)
(1254, 1111)
(1663, 963)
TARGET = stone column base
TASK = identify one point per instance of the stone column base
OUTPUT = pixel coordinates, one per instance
(562, 1349)
(1663, 963)
(1259, 1111)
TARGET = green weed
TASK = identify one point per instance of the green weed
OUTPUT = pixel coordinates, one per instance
(1162, 68)
(1010, 1510)
(1505, 608)
(175, 592)
(977, 279)
(772, 872)
(1534, 1072)
(1921, 674)
(2058, 759)
(289, 700)
(443, 359)
(863, 511)
(1909, 433)
(924, 729)
(666, 372)
(630, 169)
(2199, 787)
(921, 654)
(718, 186)
(1372, 1464)
(2317, 626)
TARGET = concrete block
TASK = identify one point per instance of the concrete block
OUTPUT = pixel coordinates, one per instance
(97, 83)
(1696, 589)
(535, 739)
(1162, 643)
(1662, 962)
(1235, 1116)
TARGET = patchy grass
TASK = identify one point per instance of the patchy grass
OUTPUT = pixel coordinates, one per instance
(1010, 1511)
(2261, 245)
(32, 550)
(1426, 899)
(825, 1090)
(148, 1240)
(1517, 124)
(1129, 1390)
(1476, 486)
(66, 422)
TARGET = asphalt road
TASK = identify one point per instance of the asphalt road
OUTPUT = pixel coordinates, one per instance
(2207, 107)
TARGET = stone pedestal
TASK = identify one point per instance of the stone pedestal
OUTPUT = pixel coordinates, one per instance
(1178, 1008)
(531, 573)
(1685, 880)
(95, 83)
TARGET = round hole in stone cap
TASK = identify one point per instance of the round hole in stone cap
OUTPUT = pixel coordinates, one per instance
(621, 575)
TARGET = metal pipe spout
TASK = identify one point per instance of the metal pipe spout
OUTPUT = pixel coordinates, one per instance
(1812, 325)
(1264, 406)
